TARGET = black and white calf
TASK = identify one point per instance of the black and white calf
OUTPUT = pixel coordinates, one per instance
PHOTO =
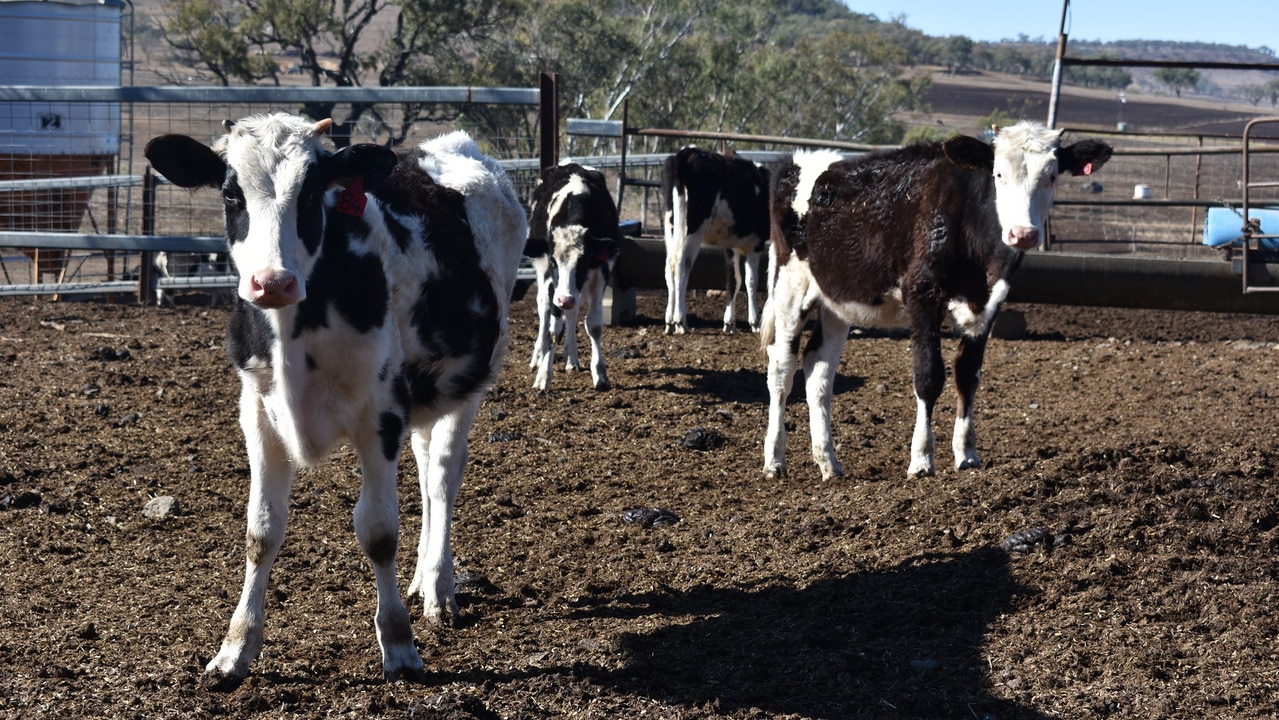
(722, 201)
(193, 267)
(573, 242)
(903, 237)
(372, 304)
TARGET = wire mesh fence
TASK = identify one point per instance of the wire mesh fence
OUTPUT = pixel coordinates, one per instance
(50, 195)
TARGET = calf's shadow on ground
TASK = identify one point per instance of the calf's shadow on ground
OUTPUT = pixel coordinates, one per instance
(900, 642)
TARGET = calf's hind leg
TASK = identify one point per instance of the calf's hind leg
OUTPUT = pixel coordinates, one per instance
(821, 362)
(441, 454)
(732, 283)
(967, 376)
(785, 315)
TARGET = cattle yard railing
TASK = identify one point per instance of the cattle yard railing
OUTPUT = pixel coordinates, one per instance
(91, 227)
(1150, 200)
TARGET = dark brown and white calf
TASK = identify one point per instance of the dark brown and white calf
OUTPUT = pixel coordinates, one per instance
(721, 201)
(903, 237)
(372, 305)
(573, 242)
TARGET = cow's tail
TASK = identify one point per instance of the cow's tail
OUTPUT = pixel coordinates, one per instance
(767, 331)
(677, 227)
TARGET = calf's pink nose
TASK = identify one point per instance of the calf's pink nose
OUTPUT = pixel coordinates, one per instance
(274, 289)
(567, 302)
(1023, 238)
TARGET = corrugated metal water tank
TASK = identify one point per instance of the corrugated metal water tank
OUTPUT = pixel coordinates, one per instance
(60, 43)
(56, 43)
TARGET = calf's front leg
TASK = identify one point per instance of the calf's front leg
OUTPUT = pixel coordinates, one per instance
(271, 479)
(595, 330)
(543, 360)
(377, 527)
(572, 362)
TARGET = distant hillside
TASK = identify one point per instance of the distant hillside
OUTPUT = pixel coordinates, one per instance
(1033, 58)
(956, 102)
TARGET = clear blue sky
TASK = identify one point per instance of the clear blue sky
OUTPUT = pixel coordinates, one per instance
(1254, 23)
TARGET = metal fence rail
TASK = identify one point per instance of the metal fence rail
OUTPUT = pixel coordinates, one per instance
(86, 224)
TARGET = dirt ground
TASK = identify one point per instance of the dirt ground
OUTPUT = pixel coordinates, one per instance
(1133, 452)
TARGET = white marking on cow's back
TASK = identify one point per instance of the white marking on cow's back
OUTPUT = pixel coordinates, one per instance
(812, 163)
(493, 210)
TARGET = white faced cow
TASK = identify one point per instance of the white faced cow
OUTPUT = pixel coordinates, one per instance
(363, 314)
(573, 242)
(903, 237)
(722, 201)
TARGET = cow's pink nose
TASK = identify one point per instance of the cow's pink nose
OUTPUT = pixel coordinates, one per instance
(1023, 238)
(567, 302)
(273, 289)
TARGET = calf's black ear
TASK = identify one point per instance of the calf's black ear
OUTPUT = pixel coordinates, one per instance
(373, 163)
(969, 153)
(1083, 157)
(602, 250)
(535, 247)
(185, 162)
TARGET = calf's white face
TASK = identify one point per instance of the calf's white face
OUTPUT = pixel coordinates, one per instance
(568, 244)
(273, 175)
(274, 207)
(1025, 172)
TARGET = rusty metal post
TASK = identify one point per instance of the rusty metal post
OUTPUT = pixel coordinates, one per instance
(549, 120)
(146, 268)
(1055, 93)
(621, 171)
(1194, 211)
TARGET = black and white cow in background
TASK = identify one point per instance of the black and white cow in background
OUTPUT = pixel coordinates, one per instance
(573, 241)
(903, 237)
(190, 266)
(720, 201)
(372, 305)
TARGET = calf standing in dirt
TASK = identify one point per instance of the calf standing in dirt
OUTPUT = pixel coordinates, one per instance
(573, 242)
(722, 201)
(372, 305)
(903, 237)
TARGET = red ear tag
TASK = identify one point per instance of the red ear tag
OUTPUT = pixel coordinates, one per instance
(352, 200)
(1085, 170)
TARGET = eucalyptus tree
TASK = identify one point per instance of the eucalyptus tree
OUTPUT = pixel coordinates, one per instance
(342, 43)
(1178, 79)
